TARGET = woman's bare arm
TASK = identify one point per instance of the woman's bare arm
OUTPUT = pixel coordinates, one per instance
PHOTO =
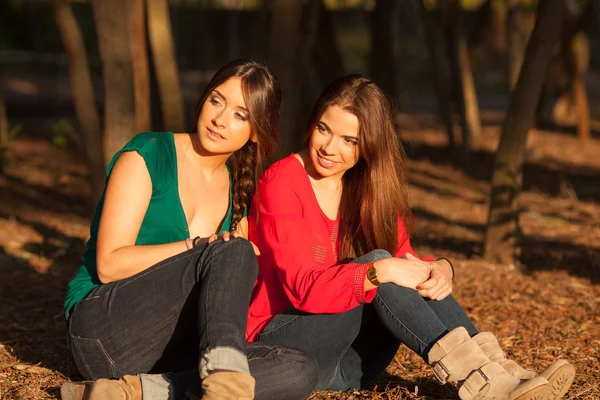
(125, 204)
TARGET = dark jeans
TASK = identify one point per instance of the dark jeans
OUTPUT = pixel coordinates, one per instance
(353, 348)
(185, 316)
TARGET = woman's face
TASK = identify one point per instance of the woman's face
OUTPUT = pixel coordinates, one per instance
(224, 122)
(333, 147)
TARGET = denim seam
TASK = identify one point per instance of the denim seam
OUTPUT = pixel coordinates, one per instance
(335, 371)
(265, 334)
(275, 351)
(97, 342)
(397, 321)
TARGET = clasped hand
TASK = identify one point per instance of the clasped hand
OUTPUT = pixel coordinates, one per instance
(431, 279)
(228, 235)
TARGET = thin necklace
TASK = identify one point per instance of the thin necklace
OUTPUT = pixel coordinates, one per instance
(183, 158)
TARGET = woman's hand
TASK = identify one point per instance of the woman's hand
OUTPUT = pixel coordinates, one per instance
(439, 284)
(408, 272)
(226, 236)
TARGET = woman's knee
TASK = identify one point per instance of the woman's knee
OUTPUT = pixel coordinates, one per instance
(374, 255)
(283, 372)
(240, 254)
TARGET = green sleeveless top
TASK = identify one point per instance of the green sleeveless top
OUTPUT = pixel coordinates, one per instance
(164, 221)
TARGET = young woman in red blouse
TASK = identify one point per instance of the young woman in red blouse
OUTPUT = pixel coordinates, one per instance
(338, 277)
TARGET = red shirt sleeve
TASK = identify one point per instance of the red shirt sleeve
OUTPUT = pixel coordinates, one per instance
(286, 236)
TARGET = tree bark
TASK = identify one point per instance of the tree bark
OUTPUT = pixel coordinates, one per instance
(437, 43)
(3, 122)
(141, 71)
(327, 57)
(167, 75)
(465, 85)
(110, 17)
(501, 240)
(3, 132)
(84, 98)
(516, 42)
(498, 34)
(384, 50)
(292, 37)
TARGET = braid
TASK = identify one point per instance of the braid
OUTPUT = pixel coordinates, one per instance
(244, 164)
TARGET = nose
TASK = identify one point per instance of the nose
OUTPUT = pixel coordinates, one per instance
(328, 147)
(218, 119)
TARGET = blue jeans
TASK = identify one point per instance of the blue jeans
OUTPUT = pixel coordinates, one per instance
(181, 319)
(353, 348)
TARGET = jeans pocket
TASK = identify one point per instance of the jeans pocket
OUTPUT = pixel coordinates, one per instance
(91, 358)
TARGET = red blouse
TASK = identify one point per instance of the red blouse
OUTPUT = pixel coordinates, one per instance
(298, 245)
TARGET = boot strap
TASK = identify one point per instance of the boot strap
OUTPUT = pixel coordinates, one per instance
(479, 382)
(440, 371)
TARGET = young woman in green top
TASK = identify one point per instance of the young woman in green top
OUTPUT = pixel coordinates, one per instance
(159, 307)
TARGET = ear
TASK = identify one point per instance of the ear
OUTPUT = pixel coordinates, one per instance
(253, 137)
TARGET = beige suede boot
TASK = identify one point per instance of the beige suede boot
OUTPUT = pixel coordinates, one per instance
(560, 373)
(228, 385)
(457, 358)
(129, 387)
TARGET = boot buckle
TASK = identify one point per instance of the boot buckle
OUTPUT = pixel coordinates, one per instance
(476, 383)
(440, 371)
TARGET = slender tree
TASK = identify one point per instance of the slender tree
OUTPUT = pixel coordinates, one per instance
(163, 54)
(3, 122)
(327, 56)
(3, 131)
(139, 54)
(384, 61)
(516, 41)
(293, 32)
(436, 37)
(465, 83)
(84, 98)
(501, 240)
(110, 17)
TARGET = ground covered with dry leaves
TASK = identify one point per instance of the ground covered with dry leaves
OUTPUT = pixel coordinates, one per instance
(541, 310)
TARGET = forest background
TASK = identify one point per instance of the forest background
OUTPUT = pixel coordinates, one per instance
(498, 110)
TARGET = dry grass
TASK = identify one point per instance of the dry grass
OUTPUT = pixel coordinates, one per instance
(542, 310)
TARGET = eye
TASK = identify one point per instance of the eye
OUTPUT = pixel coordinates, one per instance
(241, 117)
(321, 129)
(214, 101)
(350, 142)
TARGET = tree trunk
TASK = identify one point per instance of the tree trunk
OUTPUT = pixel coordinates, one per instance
(516, 42)
(498, 34)
(384, 50)
(292, 37)
(3, 131)
(327, 57)
(437, 43)
(163, 54)
(465, 85)
(110, 17)
(84, 99)
(579, 93)
(141, 71)
(3, 122)
(501, 241)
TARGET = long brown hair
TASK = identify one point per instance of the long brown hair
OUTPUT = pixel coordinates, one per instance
(374, 190)
(262, 94)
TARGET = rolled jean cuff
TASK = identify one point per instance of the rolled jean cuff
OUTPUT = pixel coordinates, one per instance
(157, 387)
(223, 359)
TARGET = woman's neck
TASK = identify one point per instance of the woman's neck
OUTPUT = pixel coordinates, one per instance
(208, 162)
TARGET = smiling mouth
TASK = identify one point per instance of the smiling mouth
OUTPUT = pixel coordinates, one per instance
(214, 134)
(325, 162)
